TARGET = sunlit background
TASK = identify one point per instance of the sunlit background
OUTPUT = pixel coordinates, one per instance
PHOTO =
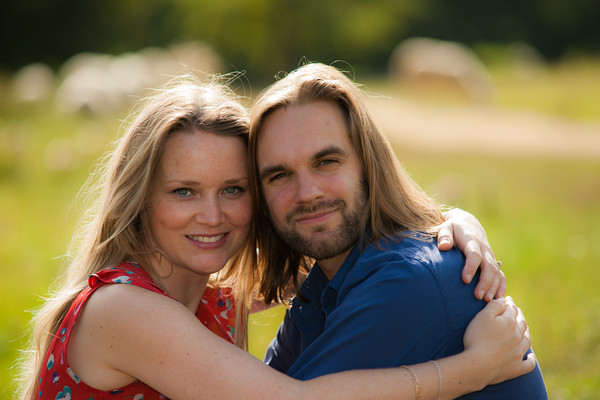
(493, 107)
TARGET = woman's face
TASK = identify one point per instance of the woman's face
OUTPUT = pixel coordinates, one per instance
(200, 209)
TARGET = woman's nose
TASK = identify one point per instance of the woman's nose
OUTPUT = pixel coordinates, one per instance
(210, 212)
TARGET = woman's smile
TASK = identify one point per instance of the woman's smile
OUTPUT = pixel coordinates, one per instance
(206, 239)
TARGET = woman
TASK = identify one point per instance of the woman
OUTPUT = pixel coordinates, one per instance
(169, 240)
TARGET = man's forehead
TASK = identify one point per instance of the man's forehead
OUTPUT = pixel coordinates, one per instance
(302, 130)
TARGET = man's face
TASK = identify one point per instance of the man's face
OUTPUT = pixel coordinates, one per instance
(311, 178)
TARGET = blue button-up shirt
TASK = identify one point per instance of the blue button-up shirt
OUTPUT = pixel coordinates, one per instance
(401, 304)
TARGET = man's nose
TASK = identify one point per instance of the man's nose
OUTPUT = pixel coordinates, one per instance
(308, 187)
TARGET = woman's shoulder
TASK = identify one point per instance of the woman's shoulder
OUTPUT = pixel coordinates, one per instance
(120, 307)
(124, 290)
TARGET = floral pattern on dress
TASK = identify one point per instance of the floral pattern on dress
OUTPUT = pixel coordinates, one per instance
(58, 381)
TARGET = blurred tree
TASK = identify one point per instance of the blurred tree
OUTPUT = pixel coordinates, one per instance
(552, 26)
(53, 30)
(266, 36)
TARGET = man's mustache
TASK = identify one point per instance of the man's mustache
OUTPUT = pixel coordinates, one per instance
(324, 205)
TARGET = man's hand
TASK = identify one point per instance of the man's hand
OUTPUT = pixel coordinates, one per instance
(463, 230)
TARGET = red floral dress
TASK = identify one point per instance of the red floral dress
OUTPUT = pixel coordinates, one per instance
(57, 381)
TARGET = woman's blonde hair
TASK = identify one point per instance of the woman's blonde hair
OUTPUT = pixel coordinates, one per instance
(395, 202)
(115, 227)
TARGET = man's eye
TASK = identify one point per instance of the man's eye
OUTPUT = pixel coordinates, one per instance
(278, 176)
(182, 192)
(328, 161)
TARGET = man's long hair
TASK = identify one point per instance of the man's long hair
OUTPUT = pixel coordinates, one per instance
(396, 203)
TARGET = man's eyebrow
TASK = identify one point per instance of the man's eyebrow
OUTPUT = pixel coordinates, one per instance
(329, 151)
(271, 169)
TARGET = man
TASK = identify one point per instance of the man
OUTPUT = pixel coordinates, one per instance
(380, 293)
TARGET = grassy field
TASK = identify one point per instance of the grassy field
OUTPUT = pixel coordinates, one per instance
(542, 216)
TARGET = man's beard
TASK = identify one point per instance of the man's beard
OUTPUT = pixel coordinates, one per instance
(341, 239)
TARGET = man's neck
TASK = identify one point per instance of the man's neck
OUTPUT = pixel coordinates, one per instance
(330, 266)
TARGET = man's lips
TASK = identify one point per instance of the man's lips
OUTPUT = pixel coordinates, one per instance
(314, 218)
(315, 214)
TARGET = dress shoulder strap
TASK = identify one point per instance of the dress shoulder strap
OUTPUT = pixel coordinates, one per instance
(125, 273)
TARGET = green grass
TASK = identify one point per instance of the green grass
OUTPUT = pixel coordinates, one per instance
(542, 216)
(555, 91)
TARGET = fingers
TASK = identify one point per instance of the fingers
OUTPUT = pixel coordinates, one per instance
(511, 335)
(498, 283)
(501, 292)
(529, 363)
(473, 260)
(519, 316)
(522, 328)
(496, 307)
(488, 273)
(471, 266)
(525, 343)
(512, 312)
(445, 236)
(491, 291)
(465, 232)
(522, 331)
(492, 282)
(515, 318)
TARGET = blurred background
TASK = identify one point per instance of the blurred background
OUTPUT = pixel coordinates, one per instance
(492, 107)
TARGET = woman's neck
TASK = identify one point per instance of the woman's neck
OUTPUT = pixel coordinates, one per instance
(185, 286)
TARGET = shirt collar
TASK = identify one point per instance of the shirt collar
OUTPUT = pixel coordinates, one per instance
(321, 295)
(330, 292)
(316, 288)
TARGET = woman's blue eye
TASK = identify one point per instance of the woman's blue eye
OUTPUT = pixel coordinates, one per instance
(234, 190)
(182, 192)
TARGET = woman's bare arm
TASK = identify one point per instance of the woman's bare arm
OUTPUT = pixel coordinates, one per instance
(127, 333)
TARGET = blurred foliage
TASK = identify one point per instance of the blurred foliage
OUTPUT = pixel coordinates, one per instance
(266, 36)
